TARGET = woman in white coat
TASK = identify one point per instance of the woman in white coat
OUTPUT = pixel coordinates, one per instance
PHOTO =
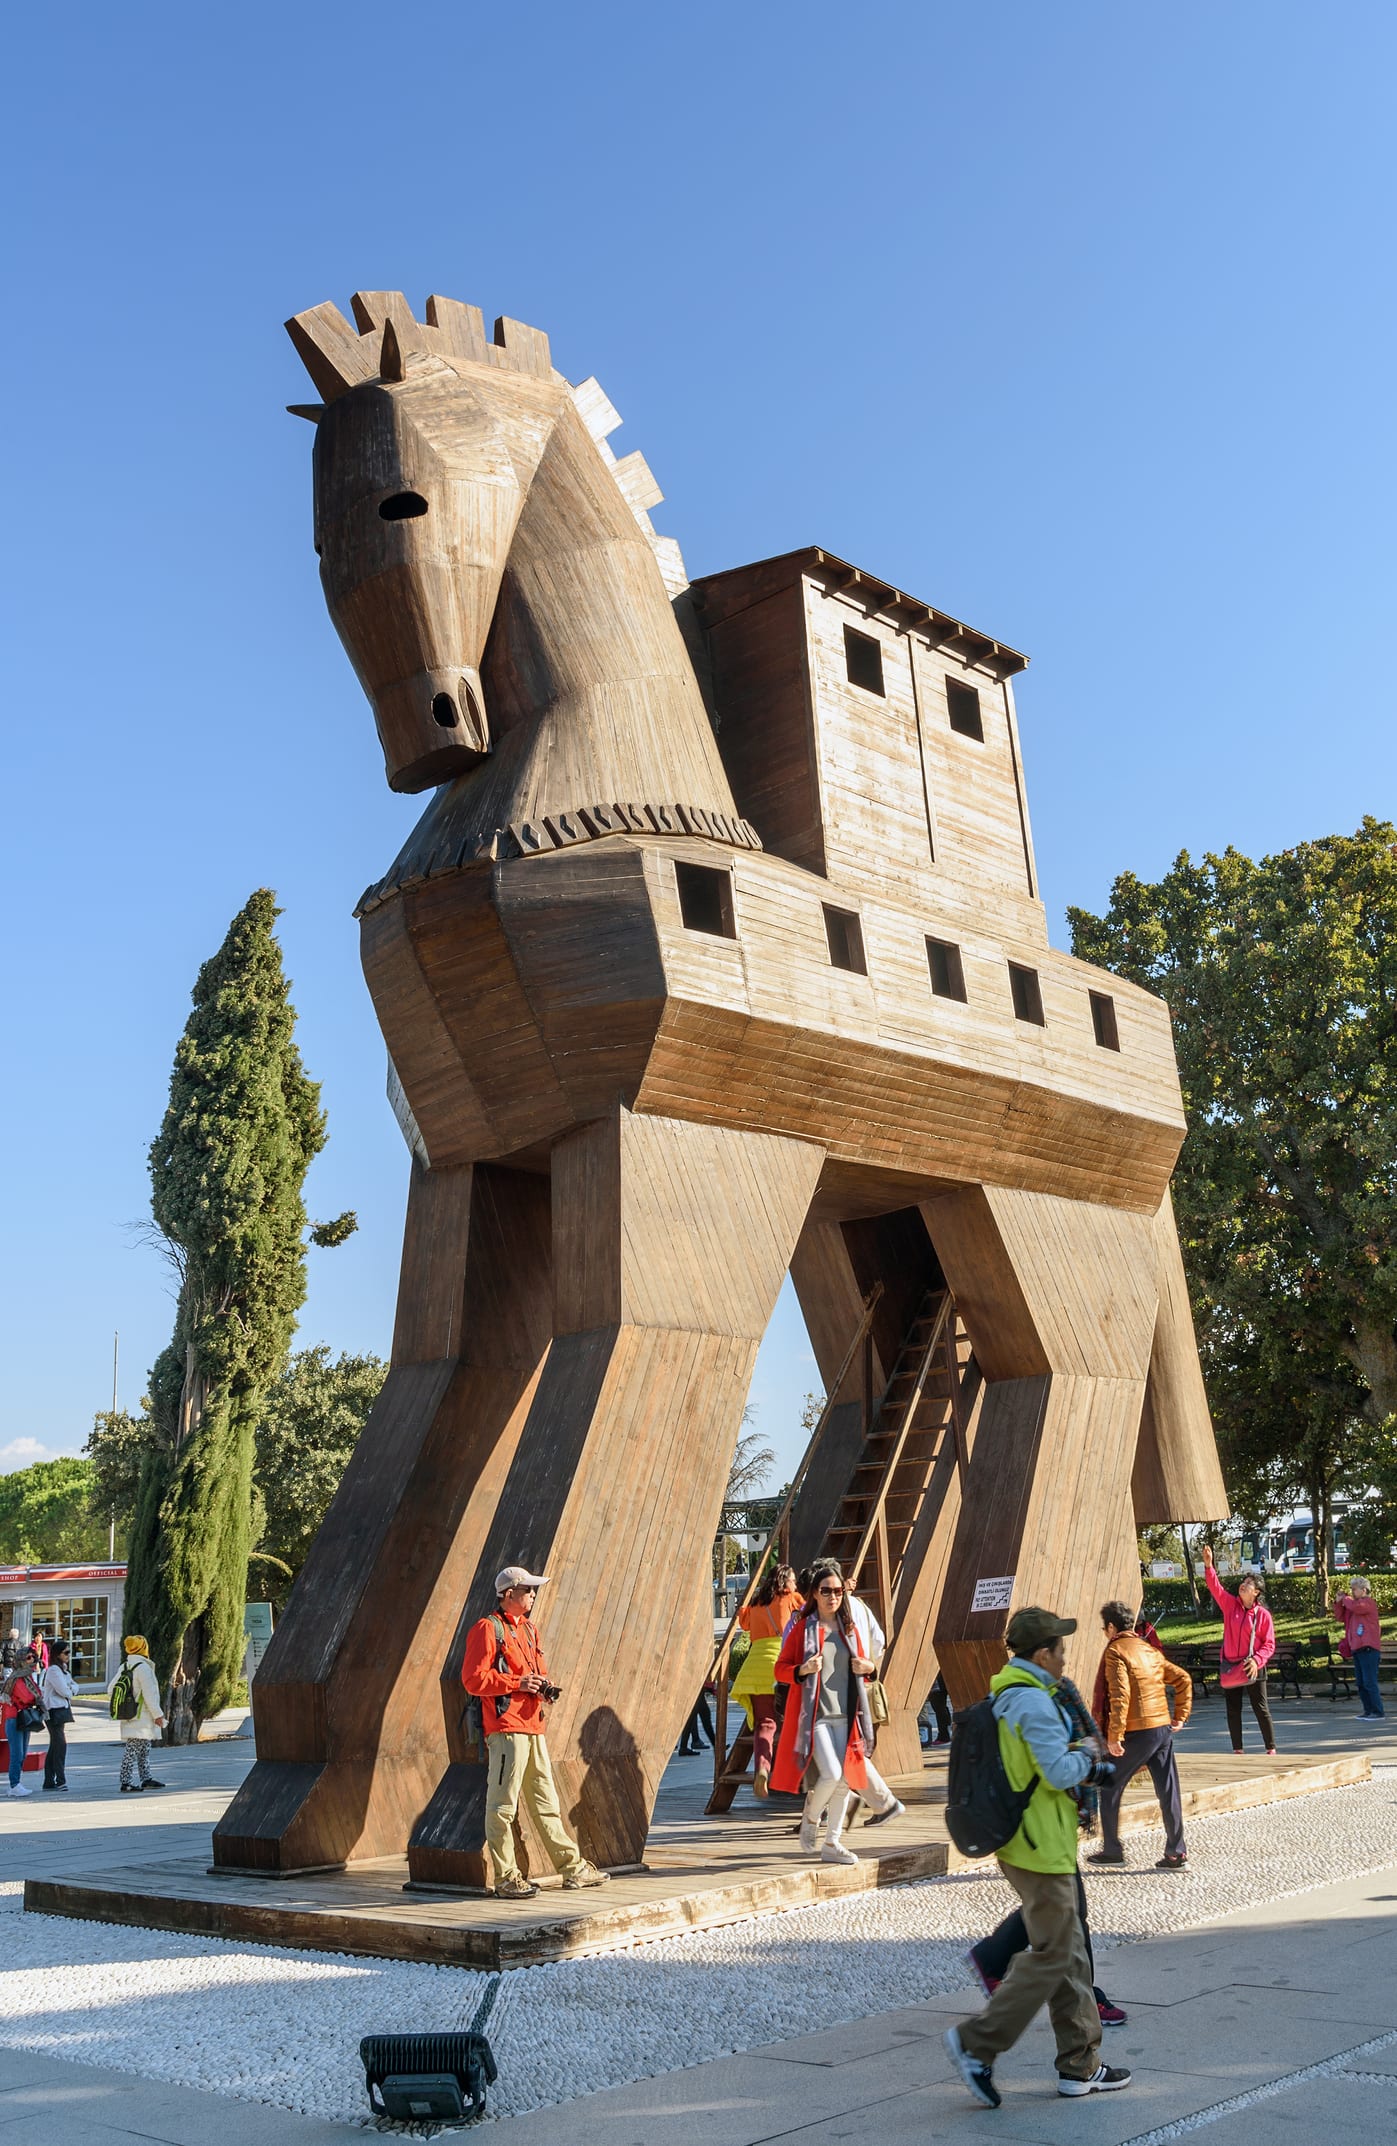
(138, 1731)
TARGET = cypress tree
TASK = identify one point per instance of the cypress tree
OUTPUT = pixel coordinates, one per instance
(227, 1169)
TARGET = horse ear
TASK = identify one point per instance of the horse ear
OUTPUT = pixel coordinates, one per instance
(390, 363)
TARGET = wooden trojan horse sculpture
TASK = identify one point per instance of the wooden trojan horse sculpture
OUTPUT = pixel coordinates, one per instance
(716, 954)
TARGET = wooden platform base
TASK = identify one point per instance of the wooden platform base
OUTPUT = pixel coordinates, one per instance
(700, 1872)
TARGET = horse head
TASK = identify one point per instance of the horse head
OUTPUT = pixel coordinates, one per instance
(426, 443)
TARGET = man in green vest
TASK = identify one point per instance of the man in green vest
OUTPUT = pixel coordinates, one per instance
(1040, 1862)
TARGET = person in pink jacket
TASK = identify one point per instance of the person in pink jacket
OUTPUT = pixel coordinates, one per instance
(1358, 1614)
(1248, 1642)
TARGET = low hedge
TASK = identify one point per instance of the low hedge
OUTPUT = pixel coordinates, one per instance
(1290, 1592)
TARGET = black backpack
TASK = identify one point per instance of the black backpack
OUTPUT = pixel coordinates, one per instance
(983, 1813)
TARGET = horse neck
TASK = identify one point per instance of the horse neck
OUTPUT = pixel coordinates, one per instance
(590, 695)
(586, 674)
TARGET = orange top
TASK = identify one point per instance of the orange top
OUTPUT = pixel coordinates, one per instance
(768, 1620)
(523, 1711)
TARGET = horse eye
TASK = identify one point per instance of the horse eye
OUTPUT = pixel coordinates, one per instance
(402, 507)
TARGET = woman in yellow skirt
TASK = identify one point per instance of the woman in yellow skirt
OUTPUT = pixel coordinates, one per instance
(764, 1621)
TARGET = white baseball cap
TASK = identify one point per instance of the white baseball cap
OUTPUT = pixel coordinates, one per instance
(518, 1576)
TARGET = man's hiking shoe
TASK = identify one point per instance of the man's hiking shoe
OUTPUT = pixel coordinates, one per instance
(894, 1810)
(988, 1983)
(1111, 2014)
(515, 1889)
(1104, 2080)
(979, 2077)
(1101, 1856)
(586, 1874)
(1172, 1862)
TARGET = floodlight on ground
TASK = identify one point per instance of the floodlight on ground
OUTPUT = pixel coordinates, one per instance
(428, 2078)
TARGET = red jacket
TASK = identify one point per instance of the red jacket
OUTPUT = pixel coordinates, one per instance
(787, 1772)
(524, 1712)
(20, 1694)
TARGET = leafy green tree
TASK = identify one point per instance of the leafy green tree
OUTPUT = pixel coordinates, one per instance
(117, 1446)
(310, 1424)
(46, 1515)
(1281, 977)
(227, 1169)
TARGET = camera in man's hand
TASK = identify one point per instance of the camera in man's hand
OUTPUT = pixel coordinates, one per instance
(553, 1692)
(1103, 1773)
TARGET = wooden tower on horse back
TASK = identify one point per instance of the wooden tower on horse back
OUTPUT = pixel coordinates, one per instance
(717, 953)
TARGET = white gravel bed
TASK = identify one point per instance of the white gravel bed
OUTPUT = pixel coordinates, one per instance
(261, 2024)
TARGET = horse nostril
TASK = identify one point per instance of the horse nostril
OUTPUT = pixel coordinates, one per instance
(444, 711)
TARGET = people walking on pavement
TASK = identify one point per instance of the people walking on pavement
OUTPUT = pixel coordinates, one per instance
(991, 1958)
(831, 1649)
(1357, 1612)
(1248, 1642)
(764, 1621)
(504, 1668)
(691, 1742)
(59, 1692)
(1042, 1759)
(23, 1713)
(1139, 1733)
(938, 1705)
(135, 1704)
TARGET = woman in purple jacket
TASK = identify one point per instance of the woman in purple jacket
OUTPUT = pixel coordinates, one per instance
(1248, 1642)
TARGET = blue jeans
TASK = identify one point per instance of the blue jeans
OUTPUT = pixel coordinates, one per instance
(18, 1741)
(1365, 1676)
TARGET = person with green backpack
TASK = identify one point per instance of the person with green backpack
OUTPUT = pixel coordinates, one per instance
(135, 1707)
(1038, 1763)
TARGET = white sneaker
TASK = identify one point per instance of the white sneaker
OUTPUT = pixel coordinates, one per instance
(19, 1789)
(834, 1851)
(809, 1838)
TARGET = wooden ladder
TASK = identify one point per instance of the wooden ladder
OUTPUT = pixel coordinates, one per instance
(920, 1403)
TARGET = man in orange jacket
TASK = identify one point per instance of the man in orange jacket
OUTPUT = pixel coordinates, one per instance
(504, 1668)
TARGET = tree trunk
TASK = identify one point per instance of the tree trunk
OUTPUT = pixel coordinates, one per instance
(1319, 1535)
(181, 1726)
(1188, 1567)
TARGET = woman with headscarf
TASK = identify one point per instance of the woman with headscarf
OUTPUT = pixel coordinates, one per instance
(830, 1651)
(764, 1621)
(137, 1677)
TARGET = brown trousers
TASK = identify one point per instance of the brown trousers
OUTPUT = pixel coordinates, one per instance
(1055, 1972)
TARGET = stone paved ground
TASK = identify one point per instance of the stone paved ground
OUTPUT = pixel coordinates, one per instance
(837, 2010)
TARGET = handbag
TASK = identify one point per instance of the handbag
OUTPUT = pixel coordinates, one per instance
(1233, 1673)
(29, 1717)
(877, 1702)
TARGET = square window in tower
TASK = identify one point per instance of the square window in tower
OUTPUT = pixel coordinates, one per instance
(863, 660)
(963, 703)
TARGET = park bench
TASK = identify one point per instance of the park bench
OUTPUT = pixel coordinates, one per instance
(1203, 1663)
(1327, 1658)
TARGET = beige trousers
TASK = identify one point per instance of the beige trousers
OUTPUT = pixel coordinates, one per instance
(1055, 1973)
(520, 1770)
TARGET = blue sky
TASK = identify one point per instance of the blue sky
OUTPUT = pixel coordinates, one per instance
(1075, 321)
